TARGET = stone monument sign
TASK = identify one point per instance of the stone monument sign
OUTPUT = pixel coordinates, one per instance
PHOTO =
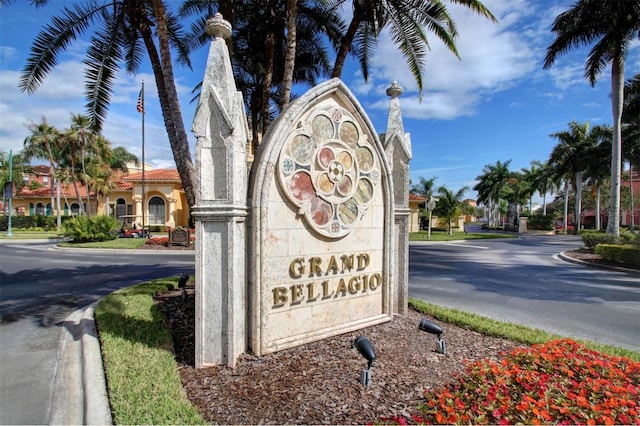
(313, 244)
(320, 223)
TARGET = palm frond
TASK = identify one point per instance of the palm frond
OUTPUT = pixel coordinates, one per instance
(54, 39)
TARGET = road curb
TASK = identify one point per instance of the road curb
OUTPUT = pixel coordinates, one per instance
(79, 393)
(569, 259)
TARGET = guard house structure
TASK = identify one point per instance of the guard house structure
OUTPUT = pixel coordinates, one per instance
(314, 241)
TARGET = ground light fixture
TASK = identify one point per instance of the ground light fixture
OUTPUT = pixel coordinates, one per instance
(364, 346)
(182, 284)
(433, 328)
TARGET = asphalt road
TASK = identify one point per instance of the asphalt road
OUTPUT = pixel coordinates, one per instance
(39, 287)
(523, 281)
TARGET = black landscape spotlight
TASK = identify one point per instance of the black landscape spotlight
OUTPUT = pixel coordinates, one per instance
(182, 283)
(364, 346)
(433, 328)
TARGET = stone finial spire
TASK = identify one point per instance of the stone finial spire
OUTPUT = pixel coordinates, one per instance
(218, 27)
(394, 90)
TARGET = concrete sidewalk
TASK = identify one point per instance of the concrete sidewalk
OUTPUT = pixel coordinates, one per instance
(79, 393)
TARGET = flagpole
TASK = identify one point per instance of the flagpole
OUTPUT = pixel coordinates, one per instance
(143, 189)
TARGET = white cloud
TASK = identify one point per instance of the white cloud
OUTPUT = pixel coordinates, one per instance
(494, 57)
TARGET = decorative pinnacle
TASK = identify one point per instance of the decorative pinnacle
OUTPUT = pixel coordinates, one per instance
(218, 27)
(395, 90)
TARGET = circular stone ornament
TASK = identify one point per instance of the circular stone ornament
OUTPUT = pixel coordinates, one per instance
(329, 171)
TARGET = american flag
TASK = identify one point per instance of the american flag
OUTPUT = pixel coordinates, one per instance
(140, 104)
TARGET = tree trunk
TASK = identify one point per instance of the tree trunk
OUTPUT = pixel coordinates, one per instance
(266, 86)
(617, 95)
(290, 55)
(345, 45)
(578, 205)
(169, 103)
(566, 206)
(597, 207)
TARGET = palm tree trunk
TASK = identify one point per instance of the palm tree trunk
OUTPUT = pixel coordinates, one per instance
(597, 207)
(345, 45)
(566, 205)
(290, 55)
(266, 85)
(58, 214)
(617, 95)
(578, 205)
(167, 94)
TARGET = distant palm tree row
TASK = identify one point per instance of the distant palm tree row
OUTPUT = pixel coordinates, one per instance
(582, 155)
(76, 156)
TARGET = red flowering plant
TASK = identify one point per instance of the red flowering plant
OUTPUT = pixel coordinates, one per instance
(558, 382)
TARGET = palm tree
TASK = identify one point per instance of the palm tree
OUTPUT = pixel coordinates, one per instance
(19, 167)
(611, 25)
(450, 204)
(125, 30)
(596, 174)
(517, 190)
(570, 157)
(262, 72)
(533, 176)
(425, 188)
(490, 183)
(45, 142)
(546, 183)
(406, 22)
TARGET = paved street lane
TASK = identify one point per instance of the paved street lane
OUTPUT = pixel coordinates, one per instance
(522, 281)
(39, 287)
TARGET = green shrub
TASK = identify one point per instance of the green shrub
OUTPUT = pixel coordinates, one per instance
(593, 238)
(541, 222)
(627, 253)
(84, 229)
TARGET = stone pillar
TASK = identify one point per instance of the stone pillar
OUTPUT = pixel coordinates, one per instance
(397, 145)
(172, 213)
(220, 213)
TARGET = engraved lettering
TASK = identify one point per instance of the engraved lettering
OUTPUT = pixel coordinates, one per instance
(314, 266)
(296, 268)
(363, 261)
(296, 294)
(311, 297)
(279, 297)
(342, 288)
(333, 265)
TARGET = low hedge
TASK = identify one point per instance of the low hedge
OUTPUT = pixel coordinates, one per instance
(540, 222)
(592, 239)
(628, 254)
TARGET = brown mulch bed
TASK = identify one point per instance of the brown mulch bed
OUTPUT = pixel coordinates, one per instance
(319, 383)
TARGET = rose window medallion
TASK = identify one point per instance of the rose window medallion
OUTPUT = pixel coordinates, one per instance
(329, 171)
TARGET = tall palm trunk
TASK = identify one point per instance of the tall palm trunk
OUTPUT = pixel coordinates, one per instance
(167, 94)
(566, 206)
(598, 206)
(578, 205)
(290, 54)
(268, 78)
(617, 96)
(345, 44)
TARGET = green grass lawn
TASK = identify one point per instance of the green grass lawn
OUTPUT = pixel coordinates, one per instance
(31, 235)
(118, 243)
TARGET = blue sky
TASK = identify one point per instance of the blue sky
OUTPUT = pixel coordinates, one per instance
(496, 103)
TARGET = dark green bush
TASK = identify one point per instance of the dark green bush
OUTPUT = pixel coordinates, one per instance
(541, 222)
(593, 238)
(627, 254)
(45, 223)
(83, 229)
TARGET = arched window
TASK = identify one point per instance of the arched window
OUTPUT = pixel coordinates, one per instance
(75, 209)
(121, 207)
(40, 209)
(156, 211)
